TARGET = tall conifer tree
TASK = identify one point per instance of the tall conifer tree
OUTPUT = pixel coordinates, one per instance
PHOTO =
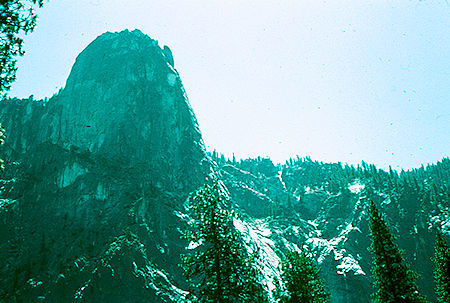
(17, 17)
(442, 270)
(394, 281)
(301, 281)
(219, 268)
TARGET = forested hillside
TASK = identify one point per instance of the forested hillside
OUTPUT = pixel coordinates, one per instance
(324, 206)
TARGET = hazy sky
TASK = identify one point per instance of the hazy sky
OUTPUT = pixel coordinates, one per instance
(336, 80)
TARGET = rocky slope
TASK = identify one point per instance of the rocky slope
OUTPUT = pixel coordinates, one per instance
(96, 176)
(323, 208)
(93, 193)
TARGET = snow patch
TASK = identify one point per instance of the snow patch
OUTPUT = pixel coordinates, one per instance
(279, 175)
(442, 222)
(323, 248)
(349, 264)
(356, 187)
(194, 245)
(256, 235)
(314, 224)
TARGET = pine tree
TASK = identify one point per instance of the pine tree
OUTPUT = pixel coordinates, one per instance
(394, 281)
(220, 268)
(300, 277)
(17, 17)
(442, 270)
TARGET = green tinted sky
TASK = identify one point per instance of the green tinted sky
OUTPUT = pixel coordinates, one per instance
(337, 80)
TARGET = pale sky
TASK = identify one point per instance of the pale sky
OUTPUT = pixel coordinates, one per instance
(335, 80)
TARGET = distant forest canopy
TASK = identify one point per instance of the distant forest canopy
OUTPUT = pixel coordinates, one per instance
(426, 187)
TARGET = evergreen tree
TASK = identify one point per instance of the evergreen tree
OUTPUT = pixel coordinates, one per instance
(300, 277)
(17, 17)
(394, 281)
(442, 270)
(220, 267)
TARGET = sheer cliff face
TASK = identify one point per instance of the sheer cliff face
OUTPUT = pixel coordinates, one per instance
(326, 210)
(91, 199)
(106, 163)
(124, 99)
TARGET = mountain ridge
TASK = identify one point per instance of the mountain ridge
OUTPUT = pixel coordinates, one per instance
(96, 180)
(114, 156)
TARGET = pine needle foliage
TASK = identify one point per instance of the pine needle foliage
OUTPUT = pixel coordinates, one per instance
(394, 280)
(442, 270)
(219, 269)
(300, 277)
(17, 17)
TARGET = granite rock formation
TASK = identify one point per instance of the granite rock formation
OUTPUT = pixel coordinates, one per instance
(92, 199)
(96, 176)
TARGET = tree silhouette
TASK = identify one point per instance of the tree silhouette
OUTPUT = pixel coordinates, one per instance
(17, 17)
(300, 277)
(219, 268)
(394, 281)
(442, 270)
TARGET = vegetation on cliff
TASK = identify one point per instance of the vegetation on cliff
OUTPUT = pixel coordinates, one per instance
(219, 266)
(442, 269)
(394, 280)
(301, 281)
